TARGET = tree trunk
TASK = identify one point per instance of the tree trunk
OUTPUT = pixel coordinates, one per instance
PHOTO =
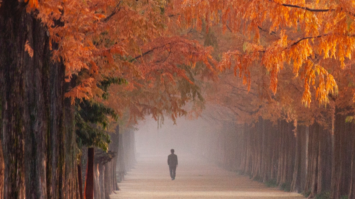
(352, 174)
(2, 172)
(97, 176)
(115, 143)
(120, 158)
(89, 184)
(296, 169)
(336, 173)
(107, 180)
(12, 59)
(80, 183)
(34, 128)
(314, 159)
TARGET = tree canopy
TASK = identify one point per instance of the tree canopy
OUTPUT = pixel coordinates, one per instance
(137, 41)
(306, 35)
(151, 46)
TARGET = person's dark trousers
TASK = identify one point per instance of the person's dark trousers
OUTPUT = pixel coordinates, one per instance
(172, 172)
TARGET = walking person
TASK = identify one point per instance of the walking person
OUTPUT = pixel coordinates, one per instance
(172, 162)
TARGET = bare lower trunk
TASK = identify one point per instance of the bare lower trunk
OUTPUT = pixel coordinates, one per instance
(107, 181)
(12, 77)
(2, 172)
(37, 140)
(296, 169)
(97, 176)
(89, 185)
(80, 184)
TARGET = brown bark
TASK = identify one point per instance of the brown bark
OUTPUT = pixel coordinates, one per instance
(80, 183)
(89, 184)
(32, 114)
(12, 72)
(296, 169)
(280, 152)
(2, 172)
(352, 182)
(275, 150)
(314, 160)
(319, 164)
(336, 170)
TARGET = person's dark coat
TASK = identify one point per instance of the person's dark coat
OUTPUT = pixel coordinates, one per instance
(172, 160)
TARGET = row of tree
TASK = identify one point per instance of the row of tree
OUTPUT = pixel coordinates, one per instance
(68, 71)
(302, 50)
(306, 159)
(109, 167)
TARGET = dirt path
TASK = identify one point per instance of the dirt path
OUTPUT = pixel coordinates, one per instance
(195, 179)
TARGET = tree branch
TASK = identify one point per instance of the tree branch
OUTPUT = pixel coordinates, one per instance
(306, 8)
(116, 10)
(146, 53)
(305, 38)
(151, 50)
(311, 9)
(303, 7)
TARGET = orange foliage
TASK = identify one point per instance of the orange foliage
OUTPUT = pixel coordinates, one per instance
(248, 104)
(137, 41)
(141, 42)
(310, 35)
(164, 82)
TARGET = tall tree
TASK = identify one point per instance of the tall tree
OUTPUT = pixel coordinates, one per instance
(46, 47)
